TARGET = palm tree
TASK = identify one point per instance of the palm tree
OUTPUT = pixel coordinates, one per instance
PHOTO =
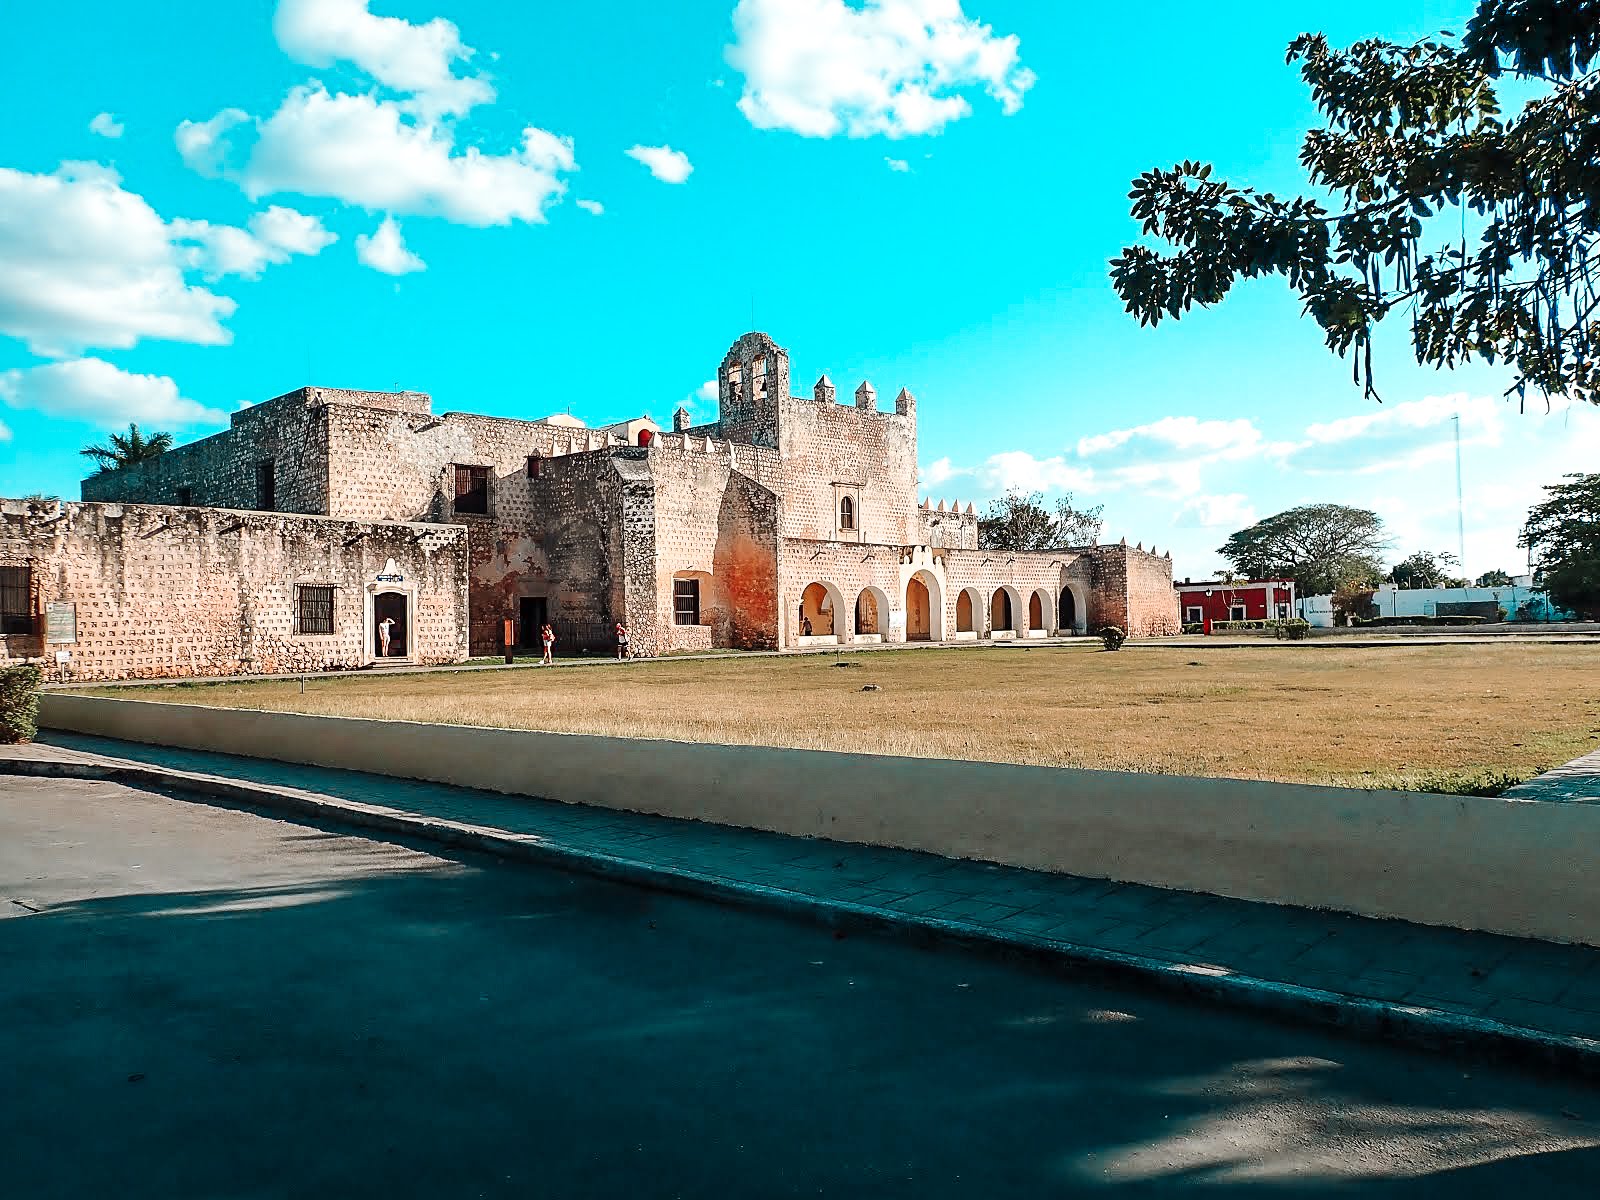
(128, 449)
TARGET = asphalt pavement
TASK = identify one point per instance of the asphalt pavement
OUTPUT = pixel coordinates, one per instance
(196, 1001)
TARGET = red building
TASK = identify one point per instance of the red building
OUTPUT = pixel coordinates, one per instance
(1207, 602)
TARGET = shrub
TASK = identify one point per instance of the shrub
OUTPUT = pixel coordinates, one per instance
(1194, 627)
(1293, 630)
(19, 703)
(1112, 637)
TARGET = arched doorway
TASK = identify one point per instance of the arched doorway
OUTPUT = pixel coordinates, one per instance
(1035, 613)
(1067, 612)
(1000, 610)
(967, 606)
(646, 436)
(390, 607)
(924, 609)
(872, 612)
(817, 611)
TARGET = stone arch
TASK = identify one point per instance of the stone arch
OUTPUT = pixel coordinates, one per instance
(969, 611)
(924, 608)
(1041, 611)
(1072, 611)
(872, 614)
(1006, 612)
(823, 608)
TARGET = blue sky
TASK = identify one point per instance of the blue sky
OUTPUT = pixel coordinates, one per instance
(208, 205)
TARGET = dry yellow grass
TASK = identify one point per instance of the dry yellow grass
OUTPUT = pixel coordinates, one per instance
(1462, 717)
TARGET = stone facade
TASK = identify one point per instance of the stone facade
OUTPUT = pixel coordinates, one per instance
(786, 513)
(130, 591)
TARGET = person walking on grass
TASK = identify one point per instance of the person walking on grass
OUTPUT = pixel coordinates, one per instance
(622, 641)
(547, 636)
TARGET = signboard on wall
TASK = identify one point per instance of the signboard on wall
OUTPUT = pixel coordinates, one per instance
(60, 622)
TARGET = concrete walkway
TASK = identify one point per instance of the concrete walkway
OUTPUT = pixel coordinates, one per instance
(1577, 780)
(1436, 986)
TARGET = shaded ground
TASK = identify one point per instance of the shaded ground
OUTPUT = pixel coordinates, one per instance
(1446, 718)
(205, 1002)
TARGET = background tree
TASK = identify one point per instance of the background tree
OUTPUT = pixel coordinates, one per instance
(1495, 578)
(1352, 600)
(127, 449)
(1413, 132)
(1319, 546)
(1020, 521)
(1425, 569)
(1563, 537)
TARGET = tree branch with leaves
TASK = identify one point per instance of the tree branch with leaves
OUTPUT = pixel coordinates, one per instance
(1416, 146)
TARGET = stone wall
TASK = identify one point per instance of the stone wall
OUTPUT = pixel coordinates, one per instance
(1134, 591)
(160, 591)
(830, 451)
(945, 526)
(221, 471)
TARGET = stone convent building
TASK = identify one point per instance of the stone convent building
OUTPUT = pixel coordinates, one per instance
(285, 542)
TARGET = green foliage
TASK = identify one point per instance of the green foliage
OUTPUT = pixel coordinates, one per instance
(1495, 578)
(1414, 141)
(1352, 600)
(19, 703)
(1112, 637)
(1424, 569)
(1563, 532)
(1293, 631)
(127, 449)
(1194, 627)
(1019, 521)
(1319, 546)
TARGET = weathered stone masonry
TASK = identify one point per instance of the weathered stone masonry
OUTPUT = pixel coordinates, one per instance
(789, 520)
(152, 591)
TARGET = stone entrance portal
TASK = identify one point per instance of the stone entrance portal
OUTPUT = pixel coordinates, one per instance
(391, 606)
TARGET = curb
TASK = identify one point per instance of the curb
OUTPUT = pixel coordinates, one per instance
(1430, 1028)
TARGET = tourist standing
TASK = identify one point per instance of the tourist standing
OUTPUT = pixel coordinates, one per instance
(385, 636)
(622, 641)
(547, 635)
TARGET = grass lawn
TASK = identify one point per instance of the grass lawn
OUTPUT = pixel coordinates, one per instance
(1447, 718)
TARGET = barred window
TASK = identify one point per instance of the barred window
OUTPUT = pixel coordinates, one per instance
(315, 609)
(686, 601)
(16, 599)
(472, 490)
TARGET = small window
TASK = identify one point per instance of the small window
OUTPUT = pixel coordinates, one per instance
(16, 600)
(1236, 612)
(185, 497)
(535, 465)
(1194, 615)
(847, 513)
(315, 610)
(686, 601)
(267, 485)
(472, 490)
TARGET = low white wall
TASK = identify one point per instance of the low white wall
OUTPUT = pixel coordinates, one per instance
(1516, 867)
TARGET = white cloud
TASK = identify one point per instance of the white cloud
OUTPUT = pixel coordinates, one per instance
(892, 67)
(106, 125)
(273, 237)
(92, 390)
(1020, 470)
(1406, 435)
(372, 153)
(665, 163)
(593, 207)
(83, 262)
(940, 471)
(1232, 511)
(386, 251)
(707, 390)
(1238, 438)
(898, 164)
(414, 59)
(5, 432)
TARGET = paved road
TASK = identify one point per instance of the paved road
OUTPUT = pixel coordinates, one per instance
(202, 1002)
